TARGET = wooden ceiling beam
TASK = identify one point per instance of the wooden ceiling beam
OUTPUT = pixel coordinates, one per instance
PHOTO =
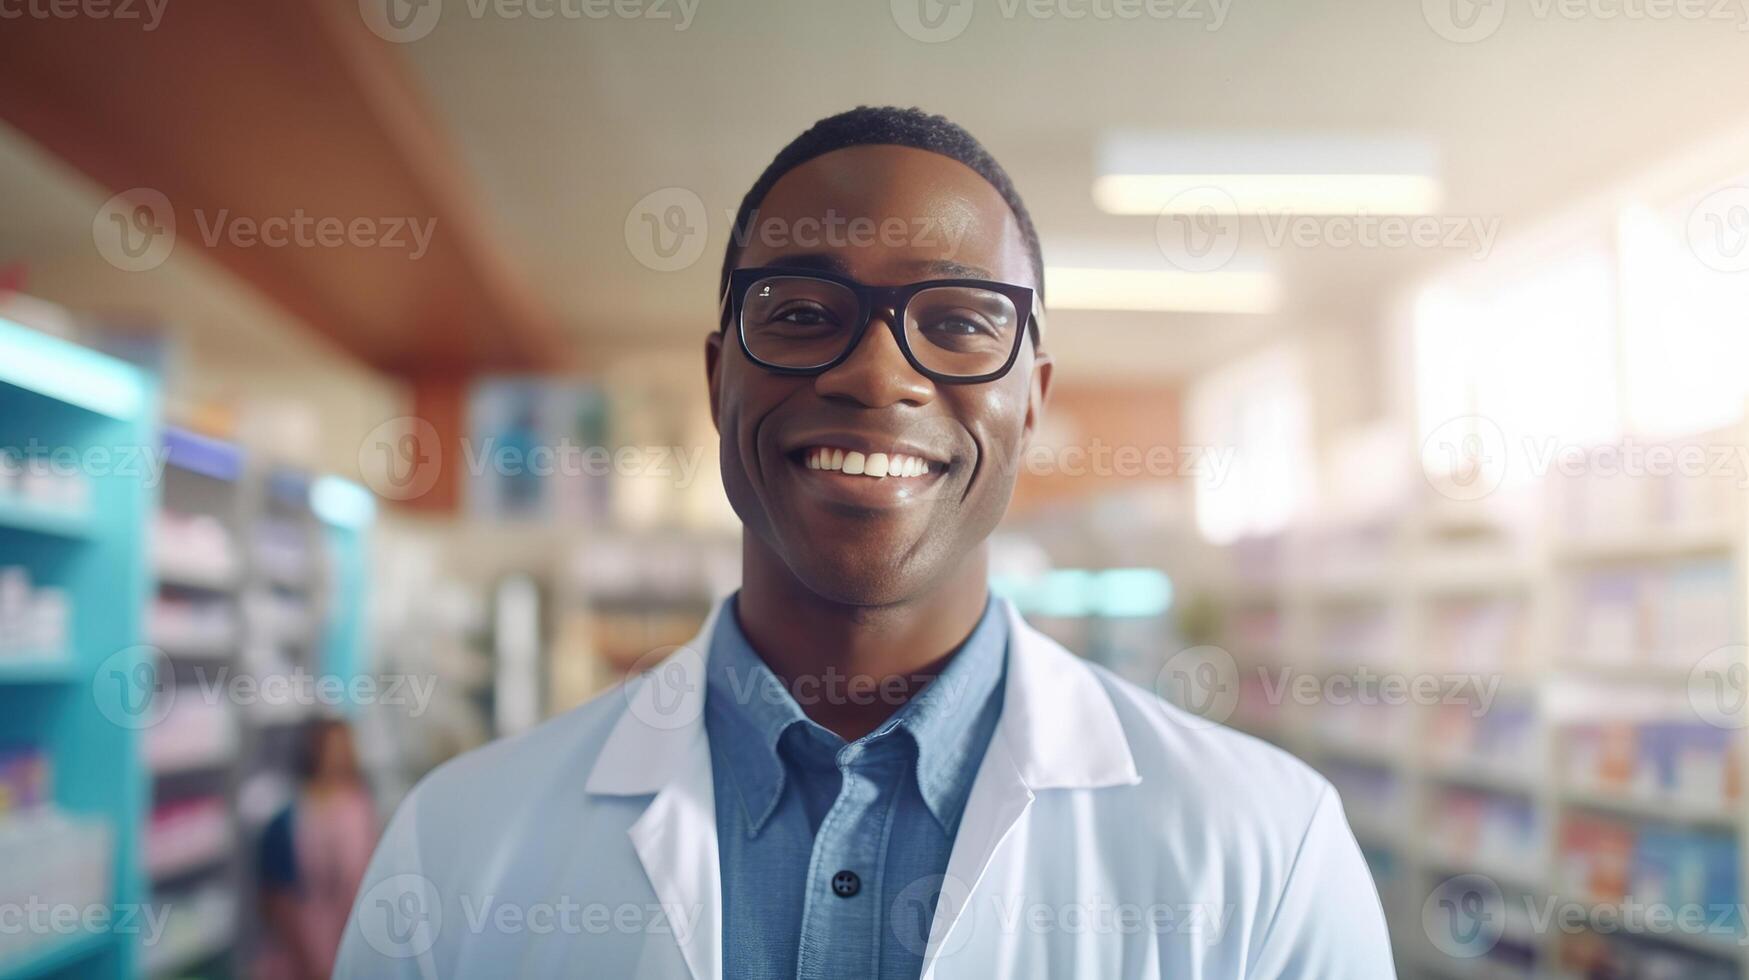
(255, 116)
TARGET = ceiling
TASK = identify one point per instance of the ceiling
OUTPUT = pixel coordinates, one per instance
(561, 125)
(567, 123)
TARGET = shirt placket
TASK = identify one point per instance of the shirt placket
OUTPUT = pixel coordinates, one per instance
(841, 915)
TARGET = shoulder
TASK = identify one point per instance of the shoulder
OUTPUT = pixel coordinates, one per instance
(1177, 748)
(519, 771)
(1194, 773)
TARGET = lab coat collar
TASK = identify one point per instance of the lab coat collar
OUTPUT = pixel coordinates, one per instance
(1058, 723)
(1058, 730)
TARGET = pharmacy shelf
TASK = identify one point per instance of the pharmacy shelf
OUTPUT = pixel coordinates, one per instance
(18, 515)
(57, 394)
(65, 956)
(1494, 779)
(1664, 545)
(38, 670)
(203, 482)
(1724, 945)
(1317, 589)
(1655, 810)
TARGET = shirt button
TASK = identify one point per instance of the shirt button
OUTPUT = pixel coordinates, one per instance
(845, 884)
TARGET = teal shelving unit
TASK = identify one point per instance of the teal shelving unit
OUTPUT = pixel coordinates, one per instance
(346, 512)
(83, 706)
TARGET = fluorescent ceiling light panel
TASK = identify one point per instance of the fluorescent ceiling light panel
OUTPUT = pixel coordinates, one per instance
(1151, 174)
(1161, 290)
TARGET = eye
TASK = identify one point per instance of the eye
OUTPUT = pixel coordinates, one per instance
(802, 314)
(960, 327)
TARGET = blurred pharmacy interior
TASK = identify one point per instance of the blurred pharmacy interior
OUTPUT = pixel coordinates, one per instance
(352, 415)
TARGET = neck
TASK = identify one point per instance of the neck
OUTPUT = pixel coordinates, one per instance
(865, 661)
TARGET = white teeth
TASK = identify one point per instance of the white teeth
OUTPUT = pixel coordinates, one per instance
(877, 465)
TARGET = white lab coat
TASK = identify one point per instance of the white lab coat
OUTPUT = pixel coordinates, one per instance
(1107, 835)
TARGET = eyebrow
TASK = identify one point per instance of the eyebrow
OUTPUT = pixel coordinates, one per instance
(925, 268)
(947, 269)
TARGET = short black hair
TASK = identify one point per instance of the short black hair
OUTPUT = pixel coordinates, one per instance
(885, 126)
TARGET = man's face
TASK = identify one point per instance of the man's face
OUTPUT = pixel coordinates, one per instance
(855, 538)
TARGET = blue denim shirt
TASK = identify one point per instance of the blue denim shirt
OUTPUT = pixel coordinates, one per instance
(832, 852)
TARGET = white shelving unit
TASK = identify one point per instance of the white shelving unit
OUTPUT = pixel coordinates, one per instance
(194, 755)
(1380, 596)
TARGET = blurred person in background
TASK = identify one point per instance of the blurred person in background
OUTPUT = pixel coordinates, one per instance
(865, 765)
(313, 855)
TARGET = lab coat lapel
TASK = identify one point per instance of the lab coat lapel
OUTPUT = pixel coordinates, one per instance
(676, 839)
(998, 800)
(659, 746)
(1058, 730)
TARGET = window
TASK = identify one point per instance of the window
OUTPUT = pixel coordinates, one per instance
(1685, 313)
(1514, 367)
(1256, 409)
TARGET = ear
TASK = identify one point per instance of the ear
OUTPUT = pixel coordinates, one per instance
(1037, 396)
(713, 362)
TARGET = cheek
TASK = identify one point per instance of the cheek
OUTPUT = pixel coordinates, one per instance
(996, 417)
(748, 395)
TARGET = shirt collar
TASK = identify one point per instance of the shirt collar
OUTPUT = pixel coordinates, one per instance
(950, 721)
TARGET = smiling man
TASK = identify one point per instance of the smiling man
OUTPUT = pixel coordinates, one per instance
(865, 765)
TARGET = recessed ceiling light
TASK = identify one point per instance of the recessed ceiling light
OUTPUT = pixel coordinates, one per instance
(1161, 290)
(1152, 174)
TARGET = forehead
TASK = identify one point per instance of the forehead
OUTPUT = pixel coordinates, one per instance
(888, 215)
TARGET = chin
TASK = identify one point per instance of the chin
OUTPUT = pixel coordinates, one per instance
(856, 579)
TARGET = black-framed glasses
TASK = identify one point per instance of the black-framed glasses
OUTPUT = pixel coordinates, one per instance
(953, 331)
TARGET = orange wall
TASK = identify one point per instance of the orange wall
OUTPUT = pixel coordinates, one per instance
(1100, 439)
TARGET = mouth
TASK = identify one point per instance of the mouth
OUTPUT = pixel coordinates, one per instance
(863, 473)
(873, 465)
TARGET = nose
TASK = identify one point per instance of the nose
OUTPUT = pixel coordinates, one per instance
(876, 373)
